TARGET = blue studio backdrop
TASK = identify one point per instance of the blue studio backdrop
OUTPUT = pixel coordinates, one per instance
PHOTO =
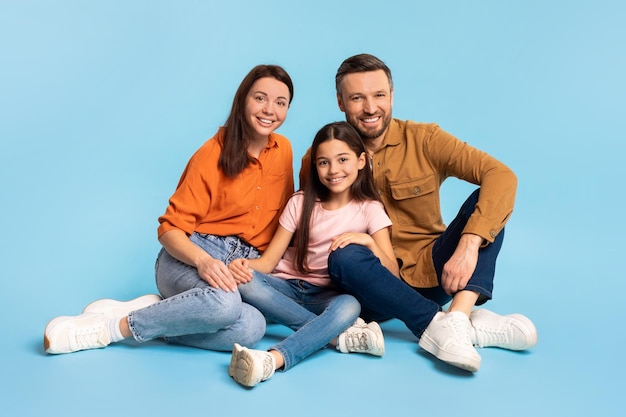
(103, 102)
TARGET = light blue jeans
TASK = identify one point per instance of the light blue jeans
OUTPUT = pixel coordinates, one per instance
(192, 312)
(317, 314)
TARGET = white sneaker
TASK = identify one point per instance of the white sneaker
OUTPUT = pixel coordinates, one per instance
(249, 366)
(362, 338)
(513, 332)
(68, 334)
(448, 338)
(120, 309)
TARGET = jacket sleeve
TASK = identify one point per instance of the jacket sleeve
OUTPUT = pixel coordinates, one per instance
(498, 183)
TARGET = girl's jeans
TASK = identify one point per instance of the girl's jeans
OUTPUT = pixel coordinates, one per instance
(193, 313)
(317, 314)
(357, 271)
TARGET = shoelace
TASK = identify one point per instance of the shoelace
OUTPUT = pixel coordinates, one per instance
(490, 336)
(357, 341)
(461, 330)
(90, 337)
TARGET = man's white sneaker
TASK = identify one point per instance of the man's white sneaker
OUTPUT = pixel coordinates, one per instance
(448, 338)
(120, 309)
(362, 338)
(68, 334)
(249, 366)
(513, 332)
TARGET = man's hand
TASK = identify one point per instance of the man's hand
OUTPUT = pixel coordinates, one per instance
(461, 265)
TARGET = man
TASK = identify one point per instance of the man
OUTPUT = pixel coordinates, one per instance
(438, 264)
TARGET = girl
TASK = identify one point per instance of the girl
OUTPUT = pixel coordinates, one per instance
(339, 206)
(226, 206)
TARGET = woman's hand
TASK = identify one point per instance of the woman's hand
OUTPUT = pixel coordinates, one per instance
(216, 274)
(212, 270)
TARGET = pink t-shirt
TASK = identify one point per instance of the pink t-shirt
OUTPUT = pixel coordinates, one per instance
(357, 217)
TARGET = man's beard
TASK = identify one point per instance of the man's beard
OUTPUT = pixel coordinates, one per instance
(369, 134)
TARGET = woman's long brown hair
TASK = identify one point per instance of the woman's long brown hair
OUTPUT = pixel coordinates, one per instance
(234, 157)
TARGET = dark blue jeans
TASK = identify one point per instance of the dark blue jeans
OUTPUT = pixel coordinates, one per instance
(356, 270)
(481, 280)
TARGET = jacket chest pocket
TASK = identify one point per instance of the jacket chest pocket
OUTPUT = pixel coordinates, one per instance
(416, 201)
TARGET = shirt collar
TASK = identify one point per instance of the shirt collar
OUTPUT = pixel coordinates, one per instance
(271, 141)
(392, 137)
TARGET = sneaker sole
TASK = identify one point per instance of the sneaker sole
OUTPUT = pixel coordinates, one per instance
(121, 308)
(240, 375)
(429, 345)
(233, 359)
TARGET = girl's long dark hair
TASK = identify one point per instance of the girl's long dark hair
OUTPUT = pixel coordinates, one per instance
(363, 188)
(234, 157)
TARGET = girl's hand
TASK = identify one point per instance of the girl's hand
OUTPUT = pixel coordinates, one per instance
(216, 274)
(345, 239)
(241, 271)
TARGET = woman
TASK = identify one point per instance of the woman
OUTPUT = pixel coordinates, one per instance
(226, 206)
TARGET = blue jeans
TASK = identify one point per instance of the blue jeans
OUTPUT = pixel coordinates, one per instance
(357, 271)
(481, 280)
(317, 314)
(193, 313)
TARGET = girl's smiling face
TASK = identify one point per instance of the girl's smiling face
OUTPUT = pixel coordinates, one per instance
(338, 166)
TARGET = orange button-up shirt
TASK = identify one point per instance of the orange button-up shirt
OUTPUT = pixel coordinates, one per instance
(248, 206)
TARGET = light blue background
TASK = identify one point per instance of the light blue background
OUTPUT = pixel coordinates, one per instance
(102, 103)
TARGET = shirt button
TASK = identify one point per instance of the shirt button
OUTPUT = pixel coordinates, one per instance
(256, 207)
(492, 233)
(380, 192)
(416, 190)
(258, 188)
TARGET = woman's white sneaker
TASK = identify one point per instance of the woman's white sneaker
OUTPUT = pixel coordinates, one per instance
(119, 309)
(68, 334)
